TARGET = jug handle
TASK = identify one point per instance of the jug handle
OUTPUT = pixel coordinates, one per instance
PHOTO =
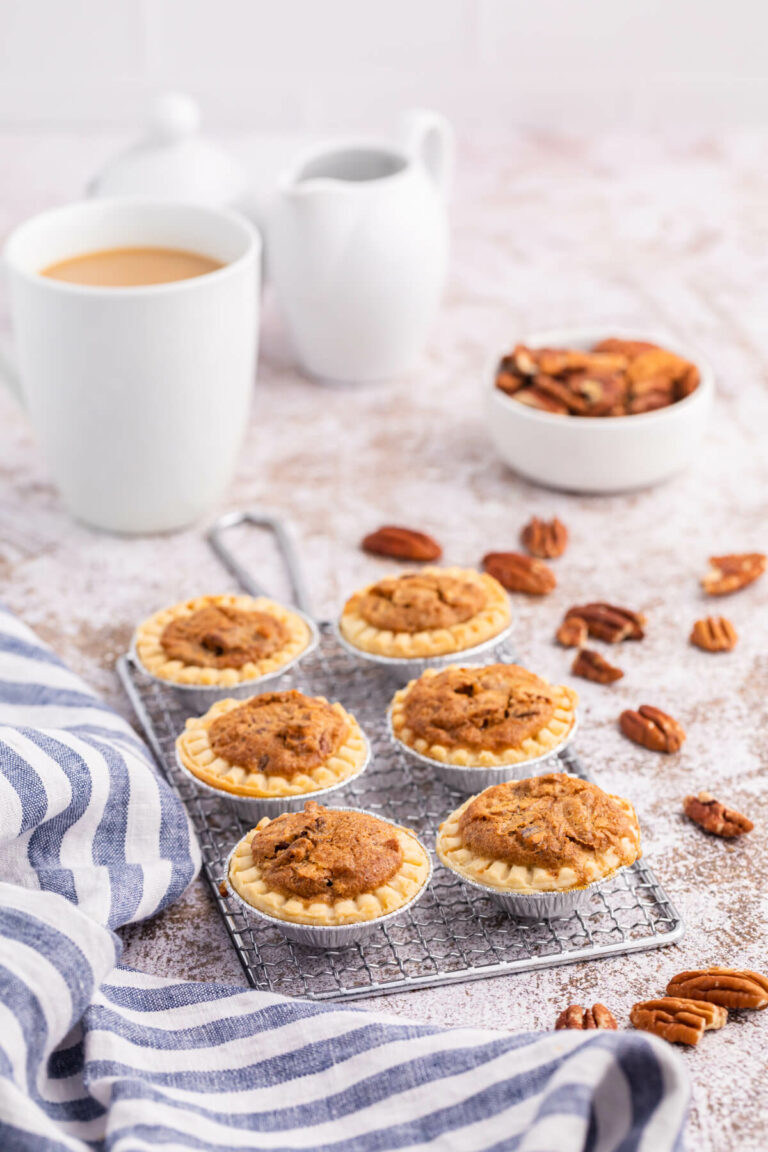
(430, 140)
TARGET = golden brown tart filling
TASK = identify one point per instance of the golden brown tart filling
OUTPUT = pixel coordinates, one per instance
(427, 613)
(546, 833)
(279, 733)
(421, 600)
(219, 641)
(222, 637)
(328, 867)
(326, 855)
(497, 714)
(275, 744)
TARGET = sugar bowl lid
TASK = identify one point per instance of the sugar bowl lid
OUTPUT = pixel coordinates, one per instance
(173, 161)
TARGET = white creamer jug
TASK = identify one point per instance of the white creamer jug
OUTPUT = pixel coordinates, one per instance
(358, 248)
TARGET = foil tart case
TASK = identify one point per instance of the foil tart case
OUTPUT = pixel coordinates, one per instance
(254, 808)
(409, 668)
(200, 697)
(332, 935)
(538, 905)
(469, 779)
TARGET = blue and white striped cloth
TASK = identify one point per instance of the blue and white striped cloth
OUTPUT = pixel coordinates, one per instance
(94, 1056)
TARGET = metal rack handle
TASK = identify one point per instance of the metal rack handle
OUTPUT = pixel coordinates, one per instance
(285, 547)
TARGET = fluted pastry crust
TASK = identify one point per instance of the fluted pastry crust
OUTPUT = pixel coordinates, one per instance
(195, 752)
(247, 880)
(487, 621)
(615, 844)
(436, 717)
(153, 657)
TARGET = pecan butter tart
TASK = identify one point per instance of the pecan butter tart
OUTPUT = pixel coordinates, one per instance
(326, 866)
(275, 744)
(550, 833)
(433, 612)
(483, 716)
(220, 640)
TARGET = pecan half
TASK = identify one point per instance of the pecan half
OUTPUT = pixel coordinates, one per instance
(610, 623)
(401, 544)
(714, 817)
(592, 666)
(729, 987)
(652, 728)
(598, 1016)
(572, 633)
(678, 1019)
(733, 572)
(545, 538)
(714, 634)
(518, 573)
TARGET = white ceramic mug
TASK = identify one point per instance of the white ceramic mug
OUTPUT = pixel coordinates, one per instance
(139, 395)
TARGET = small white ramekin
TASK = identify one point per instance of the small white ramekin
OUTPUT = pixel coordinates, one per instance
(254, 808)
(598, 453)
(200, 697)
(470, 779)
(332, 935)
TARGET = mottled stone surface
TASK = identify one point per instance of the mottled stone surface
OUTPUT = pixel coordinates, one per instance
(645, 233)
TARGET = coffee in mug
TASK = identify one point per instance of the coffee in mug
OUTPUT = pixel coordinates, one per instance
(138, 391)
(130, 267)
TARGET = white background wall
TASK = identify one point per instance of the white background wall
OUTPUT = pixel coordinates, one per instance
(296, 65)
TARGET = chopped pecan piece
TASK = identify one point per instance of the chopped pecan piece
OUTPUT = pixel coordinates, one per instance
(592, 666)
(652, 728)
(572, 633)
(545, 538)
(401, 544)
(650, 401)
(598, 1016)
(730, 573)
(714, 634)
(732, 988)
(536, 398)
(678, 1019)
(607, 622)
(629, 348)
(714, 817)
(518, 573)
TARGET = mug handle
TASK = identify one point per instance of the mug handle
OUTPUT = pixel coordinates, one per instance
(9, 374)
(430, 140)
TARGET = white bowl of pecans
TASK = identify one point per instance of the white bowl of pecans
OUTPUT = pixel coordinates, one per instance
(584, 411)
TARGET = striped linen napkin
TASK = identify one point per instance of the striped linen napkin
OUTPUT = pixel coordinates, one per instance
(94, 1056)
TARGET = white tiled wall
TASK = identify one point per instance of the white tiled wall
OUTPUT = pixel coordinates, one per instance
(280, 65)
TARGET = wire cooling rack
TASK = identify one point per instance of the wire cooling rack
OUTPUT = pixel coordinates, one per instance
(452, 933)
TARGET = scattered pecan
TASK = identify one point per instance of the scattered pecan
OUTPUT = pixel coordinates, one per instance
(607, 622)
(223, 890)
(714, 817)
(598, 1016)
(572, 633)
(401, 544)
(545, 538)
(730, 573)
(732, 988)
(518, 573)
(652, 728)
(592, 666)
(714, 634)
(678, 1019)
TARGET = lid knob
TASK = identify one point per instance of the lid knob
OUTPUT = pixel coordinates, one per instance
(173, 117)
